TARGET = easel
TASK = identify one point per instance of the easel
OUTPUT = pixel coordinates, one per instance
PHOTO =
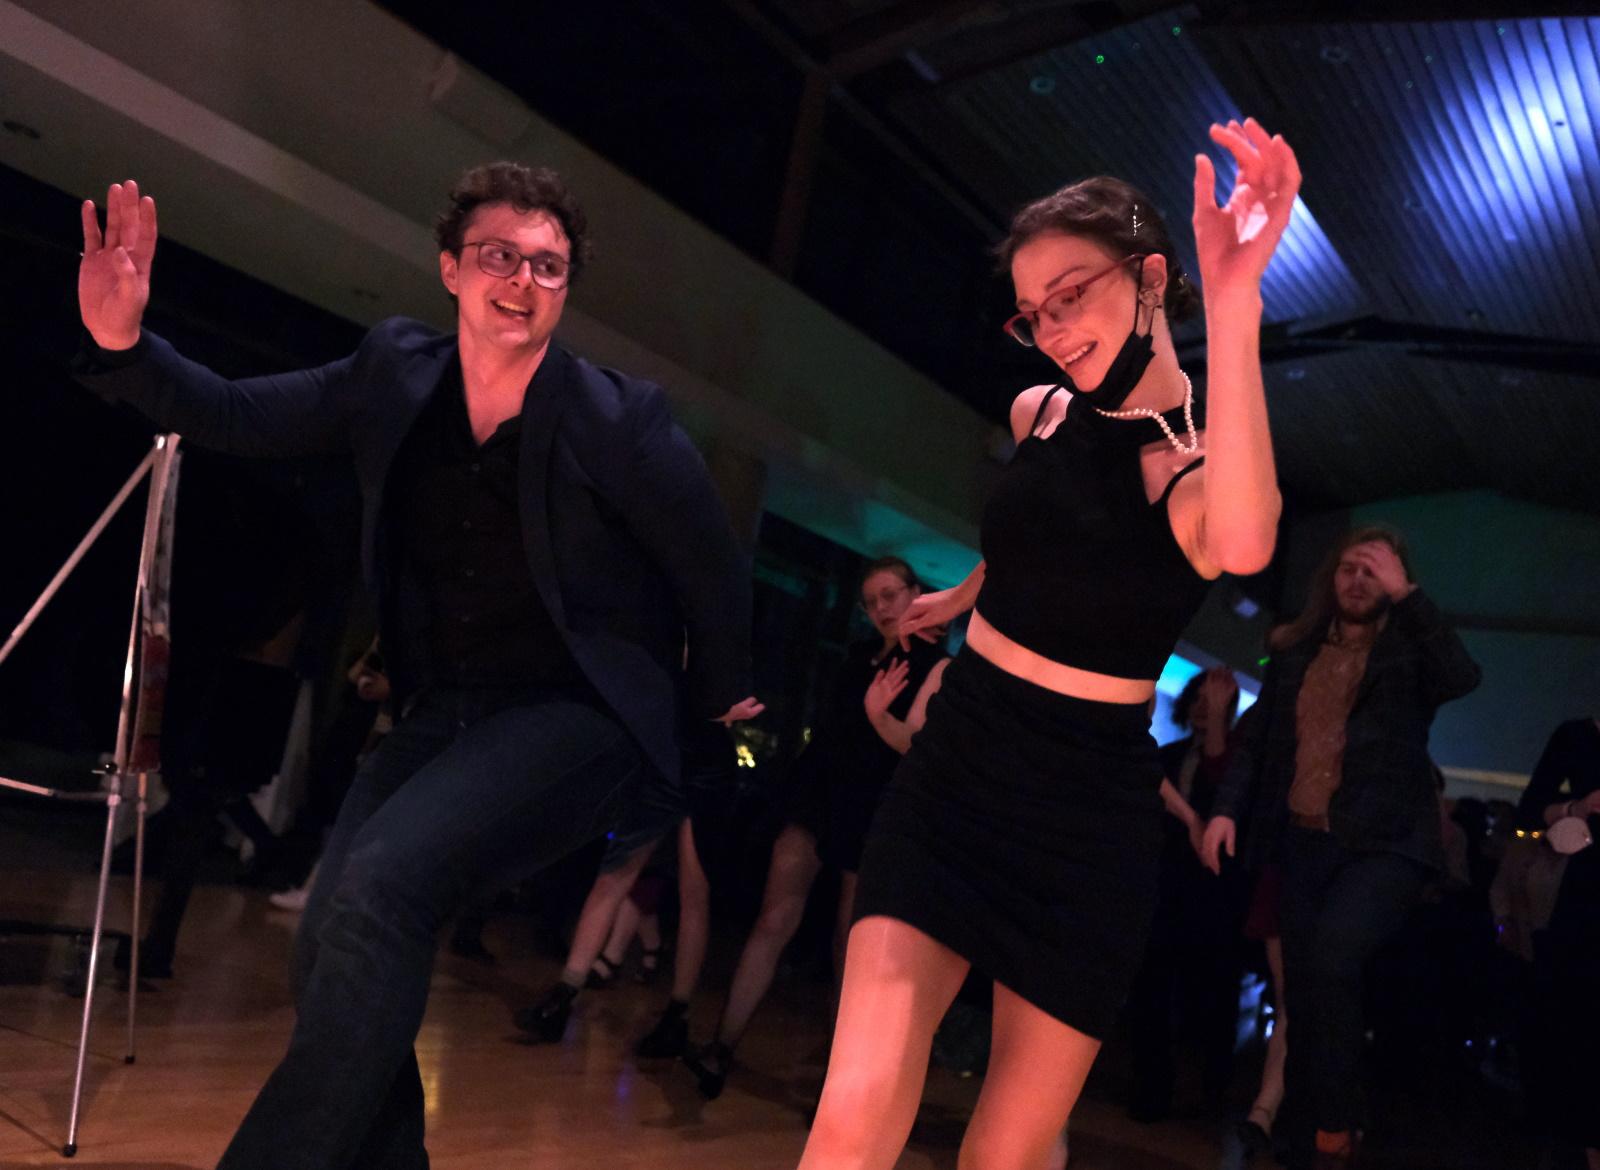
(138, 746)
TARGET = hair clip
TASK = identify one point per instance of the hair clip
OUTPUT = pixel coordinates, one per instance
(1136, 220)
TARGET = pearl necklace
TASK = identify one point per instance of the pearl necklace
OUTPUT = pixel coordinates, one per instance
(1188, 419)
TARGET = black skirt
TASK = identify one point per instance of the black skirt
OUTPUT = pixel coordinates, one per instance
(1023, 831)
(836, 807)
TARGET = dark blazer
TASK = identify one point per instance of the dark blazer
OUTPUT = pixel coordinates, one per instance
(628, 542)
(1387, 799)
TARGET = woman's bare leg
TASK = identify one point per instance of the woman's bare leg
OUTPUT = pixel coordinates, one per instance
(599, 914)
(1265, 1108)
(694, 917)
(1037, 1066)
(647, 926)
(793, 869)
(624, 926)
(897, 984)
(547, 1019)
(1058, 1153)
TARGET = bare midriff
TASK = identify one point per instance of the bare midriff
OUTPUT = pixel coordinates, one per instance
(1014, 658)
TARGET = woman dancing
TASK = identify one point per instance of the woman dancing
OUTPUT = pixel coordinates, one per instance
(878, 704)
(1022, 832)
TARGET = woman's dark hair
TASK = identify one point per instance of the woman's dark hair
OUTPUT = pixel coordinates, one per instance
(890, 565)
(1320, 600)
(1102, 209)
(526, 189)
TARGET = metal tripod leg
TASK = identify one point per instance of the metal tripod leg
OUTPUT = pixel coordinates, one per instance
(112, 801)
(142, 803)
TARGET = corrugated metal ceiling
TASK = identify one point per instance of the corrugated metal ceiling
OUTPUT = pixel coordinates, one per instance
(1452, 183)
(1134, 103)
(1455, 165)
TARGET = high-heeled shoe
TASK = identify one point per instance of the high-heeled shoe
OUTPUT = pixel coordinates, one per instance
(546, 1021)
(710, 1066)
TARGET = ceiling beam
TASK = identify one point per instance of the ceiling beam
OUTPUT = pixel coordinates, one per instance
(1387, 11)
(969, 208)
(1287, 342)
(884, 36)
(1017, 37)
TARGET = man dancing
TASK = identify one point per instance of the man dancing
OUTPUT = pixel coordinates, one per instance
(542, 542)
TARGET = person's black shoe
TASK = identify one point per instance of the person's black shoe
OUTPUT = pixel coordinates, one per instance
(669, 1038)
(1254, 1137)
(710, 1067)
(546, 1021)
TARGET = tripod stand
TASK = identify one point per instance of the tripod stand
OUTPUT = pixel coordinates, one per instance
(138, 744)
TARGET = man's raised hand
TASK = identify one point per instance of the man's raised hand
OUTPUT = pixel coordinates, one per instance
(114, 274)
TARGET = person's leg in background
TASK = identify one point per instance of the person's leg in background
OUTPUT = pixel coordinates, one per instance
(546, 1020)
(670, 1036)
(1309, 863)
(643, 905)
(793, 869)
(1256, 1130)
(625, 926)
(1366, 900)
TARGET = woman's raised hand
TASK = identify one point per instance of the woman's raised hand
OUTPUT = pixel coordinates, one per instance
(114, 274)
(1236, 239)
(885, 687)
(928, 615)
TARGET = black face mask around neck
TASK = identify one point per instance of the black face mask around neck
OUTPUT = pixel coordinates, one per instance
(1130, 364)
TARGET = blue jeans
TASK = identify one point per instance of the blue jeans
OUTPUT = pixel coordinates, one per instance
(472, 789)
(1338, 907)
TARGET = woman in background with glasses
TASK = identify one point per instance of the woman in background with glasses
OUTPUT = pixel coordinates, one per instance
(1022, 833)
(878, 703)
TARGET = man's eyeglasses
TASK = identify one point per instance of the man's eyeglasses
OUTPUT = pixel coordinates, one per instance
(1061, 306)
(549, 270)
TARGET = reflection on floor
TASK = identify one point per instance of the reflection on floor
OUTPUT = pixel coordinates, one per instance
(208, 1039)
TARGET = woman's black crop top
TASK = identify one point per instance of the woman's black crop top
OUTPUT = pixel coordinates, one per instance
(1080, 566)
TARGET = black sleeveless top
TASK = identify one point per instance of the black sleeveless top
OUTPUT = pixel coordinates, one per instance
(1080, 566)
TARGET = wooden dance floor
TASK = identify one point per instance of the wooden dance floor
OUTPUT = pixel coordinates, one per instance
(208, 1039)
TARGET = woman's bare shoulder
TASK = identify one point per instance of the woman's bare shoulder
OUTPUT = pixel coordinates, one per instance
(1025, 408)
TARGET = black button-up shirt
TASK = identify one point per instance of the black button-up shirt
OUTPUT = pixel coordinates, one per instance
(459, 533)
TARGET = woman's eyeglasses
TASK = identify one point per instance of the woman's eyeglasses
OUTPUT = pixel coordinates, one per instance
(1061, 306)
